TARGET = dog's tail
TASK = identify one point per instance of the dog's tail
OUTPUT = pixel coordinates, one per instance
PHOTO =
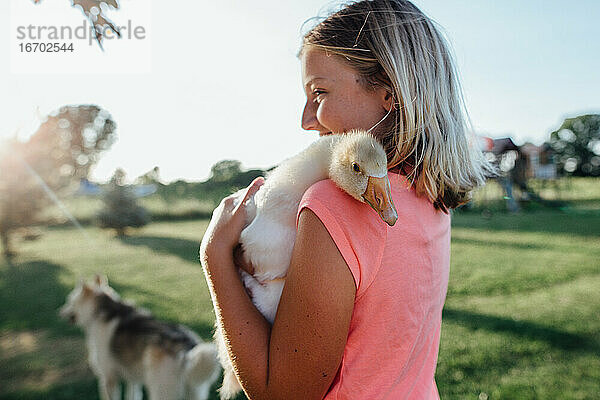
(202, 368)
(231, 386)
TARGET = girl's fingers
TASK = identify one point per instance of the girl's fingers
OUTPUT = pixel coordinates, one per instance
(252, 189)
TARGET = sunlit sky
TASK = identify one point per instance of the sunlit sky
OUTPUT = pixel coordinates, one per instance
(224, 81)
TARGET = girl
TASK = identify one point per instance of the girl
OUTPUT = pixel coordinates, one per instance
(360, 314)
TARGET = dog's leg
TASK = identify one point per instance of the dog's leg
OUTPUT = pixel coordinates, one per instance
(134, 391)
(163, 375)
(109, 387)
(166, 390)
(200, 392)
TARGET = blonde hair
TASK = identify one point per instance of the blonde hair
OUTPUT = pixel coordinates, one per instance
(392, 44)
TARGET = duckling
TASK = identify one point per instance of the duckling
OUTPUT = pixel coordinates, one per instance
(356, 162)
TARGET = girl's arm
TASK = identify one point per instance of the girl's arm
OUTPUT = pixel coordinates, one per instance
(299, 356)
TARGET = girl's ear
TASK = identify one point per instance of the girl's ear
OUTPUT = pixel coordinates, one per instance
(388, 100)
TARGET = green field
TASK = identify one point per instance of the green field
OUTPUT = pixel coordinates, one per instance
(522, 317)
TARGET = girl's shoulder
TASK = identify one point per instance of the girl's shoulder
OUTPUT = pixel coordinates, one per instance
(356, 229)
(328, 196)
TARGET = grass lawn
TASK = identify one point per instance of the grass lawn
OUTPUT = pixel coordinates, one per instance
(522, 317)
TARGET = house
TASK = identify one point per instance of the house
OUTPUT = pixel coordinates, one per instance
(541, 161)
(537, 161)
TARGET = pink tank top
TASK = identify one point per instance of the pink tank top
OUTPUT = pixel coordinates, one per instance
(401, 276)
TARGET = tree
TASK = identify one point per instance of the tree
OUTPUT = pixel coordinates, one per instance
(226, 177)
(48, 165)
(225, 170)
(121, 209)
(576, 145)
(150, 177)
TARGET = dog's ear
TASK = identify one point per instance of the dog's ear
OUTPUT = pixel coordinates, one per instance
(86, 289)
(100, 280)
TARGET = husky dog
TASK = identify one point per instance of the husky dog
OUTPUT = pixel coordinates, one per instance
(128, 343)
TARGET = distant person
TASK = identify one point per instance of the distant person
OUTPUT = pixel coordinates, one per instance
(361, 310)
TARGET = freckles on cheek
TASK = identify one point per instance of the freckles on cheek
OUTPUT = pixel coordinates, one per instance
(330, 118)
(319, 115)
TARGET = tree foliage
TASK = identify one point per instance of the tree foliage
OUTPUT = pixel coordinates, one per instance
(577, 145)
(225, 170)
(120, 207)
(150, 177)
(48, 165)
(226, 177)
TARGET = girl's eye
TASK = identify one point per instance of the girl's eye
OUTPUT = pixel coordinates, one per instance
(317, 94)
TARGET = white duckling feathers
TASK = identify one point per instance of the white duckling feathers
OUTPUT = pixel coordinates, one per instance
(356, 162)
(351, 160)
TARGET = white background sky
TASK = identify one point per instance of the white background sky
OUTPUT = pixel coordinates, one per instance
(224, 83)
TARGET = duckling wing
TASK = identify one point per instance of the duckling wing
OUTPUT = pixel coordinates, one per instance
(267, 244)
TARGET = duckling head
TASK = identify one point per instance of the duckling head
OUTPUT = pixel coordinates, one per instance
(359, 167)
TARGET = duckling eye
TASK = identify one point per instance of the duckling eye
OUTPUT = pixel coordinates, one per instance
(355, 167)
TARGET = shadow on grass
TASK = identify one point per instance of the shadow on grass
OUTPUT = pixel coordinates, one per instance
(30, 296)
(496, 244)
(73, 390)
(185, 249)
(571, 223)
(529, 330)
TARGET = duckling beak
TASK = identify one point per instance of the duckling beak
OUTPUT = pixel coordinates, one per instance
(379, 196)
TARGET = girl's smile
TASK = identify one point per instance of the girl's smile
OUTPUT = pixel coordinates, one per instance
(336, 98)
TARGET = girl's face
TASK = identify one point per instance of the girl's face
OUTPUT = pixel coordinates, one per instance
(336, 100)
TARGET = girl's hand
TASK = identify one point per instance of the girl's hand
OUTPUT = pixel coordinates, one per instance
(226, 224)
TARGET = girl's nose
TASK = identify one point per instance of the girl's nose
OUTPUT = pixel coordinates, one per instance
(309, 117)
